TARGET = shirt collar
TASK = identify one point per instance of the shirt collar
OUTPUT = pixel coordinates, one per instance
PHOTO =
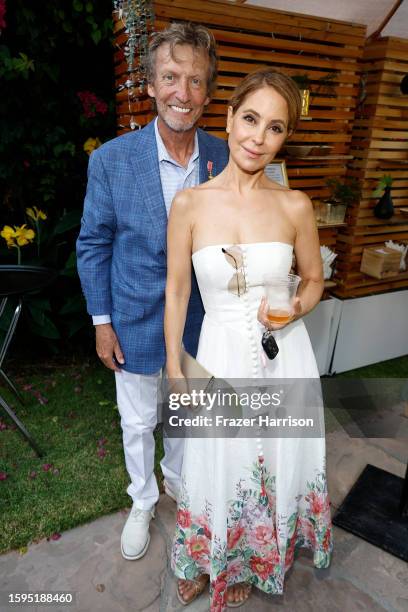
(162, 151)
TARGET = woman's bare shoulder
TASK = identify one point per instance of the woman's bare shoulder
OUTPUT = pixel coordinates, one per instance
(298, 201)
(183, 198)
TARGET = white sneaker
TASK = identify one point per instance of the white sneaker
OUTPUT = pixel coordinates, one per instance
(135, 535)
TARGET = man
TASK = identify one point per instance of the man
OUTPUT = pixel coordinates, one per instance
(122, 252)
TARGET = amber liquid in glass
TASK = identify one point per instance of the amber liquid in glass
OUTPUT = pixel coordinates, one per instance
(278, 316)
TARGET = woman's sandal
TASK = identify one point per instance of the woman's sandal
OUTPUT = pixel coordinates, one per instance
(237, 604)
(199, 586)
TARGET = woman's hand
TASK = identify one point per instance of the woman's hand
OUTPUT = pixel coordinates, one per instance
(177, 384)
(263, 314)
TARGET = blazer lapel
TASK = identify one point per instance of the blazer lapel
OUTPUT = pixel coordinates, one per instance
(146, 166)
(209, 154)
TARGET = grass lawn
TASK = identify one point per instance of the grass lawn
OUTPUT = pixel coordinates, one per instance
(71, 411)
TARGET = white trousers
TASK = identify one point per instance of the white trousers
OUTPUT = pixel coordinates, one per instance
(137, 403)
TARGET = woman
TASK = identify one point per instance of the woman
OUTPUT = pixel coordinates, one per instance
(246, 504)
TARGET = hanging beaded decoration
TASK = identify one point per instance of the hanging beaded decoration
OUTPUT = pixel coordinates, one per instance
(137, 17)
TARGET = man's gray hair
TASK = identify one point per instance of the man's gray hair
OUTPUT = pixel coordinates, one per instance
(195, 35)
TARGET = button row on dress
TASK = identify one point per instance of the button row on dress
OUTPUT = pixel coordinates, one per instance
(249, 318)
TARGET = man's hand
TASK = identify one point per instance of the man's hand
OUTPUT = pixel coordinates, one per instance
(107, 346)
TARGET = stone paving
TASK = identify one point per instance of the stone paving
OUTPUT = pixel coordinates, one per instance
(87, 559)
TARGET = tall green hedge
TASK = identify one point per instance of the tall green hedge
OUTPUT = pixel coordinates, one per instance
(57, 83)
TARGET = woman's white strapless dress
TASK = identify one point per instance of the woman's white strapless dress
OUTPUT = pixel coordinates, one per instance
(246, 504)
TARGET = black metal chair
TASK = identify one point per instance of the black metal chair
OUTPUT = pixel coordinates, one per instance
(16, 281)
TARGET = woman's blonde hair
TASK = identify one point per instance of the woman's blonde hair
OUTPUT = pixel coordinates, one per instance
(280, 82)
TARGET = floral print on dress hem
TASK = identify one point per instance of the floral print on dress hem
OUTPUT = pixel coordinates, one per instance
(252, 551)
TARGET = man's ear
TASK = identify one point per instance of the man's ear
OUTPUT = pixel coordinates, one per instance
(150, 90)
(229, 120)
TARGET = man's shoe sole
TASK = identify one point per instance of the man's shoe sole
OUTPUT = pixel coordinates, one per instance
(140, 555)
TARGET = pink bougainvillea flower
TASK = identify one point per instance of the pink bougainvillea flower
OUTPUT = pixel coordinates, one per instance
(2, 13)
(47, 467)
(54, 536)
(32, 475)
(91, 104)
(3, 476)
(41, 398)
(101, 453)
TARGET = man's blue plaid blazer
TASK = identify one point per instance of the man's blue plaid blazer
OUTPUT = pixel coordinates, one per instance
(121, 249)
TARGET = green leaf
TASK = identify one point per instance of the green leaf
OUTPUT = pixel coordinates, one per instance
(73, 305)
(89, 7)
(67, 27)
(96, 36)
(38, 303)
(64, 147)
(42, 325)
(70, 266)
(78, 5)
(67, 222)
(74, 325)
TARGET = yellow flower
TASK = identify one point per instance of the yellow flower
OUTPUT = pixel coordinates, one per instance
(23, 235)
(8, 234)
(36, 214)
(91, 144)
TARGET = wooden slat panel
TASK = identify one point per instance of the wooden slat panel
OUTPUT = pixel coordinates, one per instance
(252, 37)
(260, 17)
(379, 146)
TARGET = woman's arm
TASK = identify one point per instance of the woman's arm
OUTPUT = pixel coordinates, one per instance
(307, 251)
(308, 258)
(178, 286)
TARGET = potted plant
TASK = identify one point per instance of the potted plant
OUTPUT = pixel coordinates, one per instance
(384, 209)
(342, 194)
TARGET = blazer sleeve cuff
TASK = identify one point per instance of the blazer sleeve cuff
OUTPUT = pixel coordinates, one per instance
(101, 319)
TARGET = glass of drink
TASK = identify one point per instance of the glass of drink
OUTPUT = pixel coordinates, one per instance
(280, 292)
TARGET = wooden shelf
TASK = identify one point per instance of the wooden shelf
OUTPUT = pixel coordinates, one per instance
(323, 157)
(323, 225)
